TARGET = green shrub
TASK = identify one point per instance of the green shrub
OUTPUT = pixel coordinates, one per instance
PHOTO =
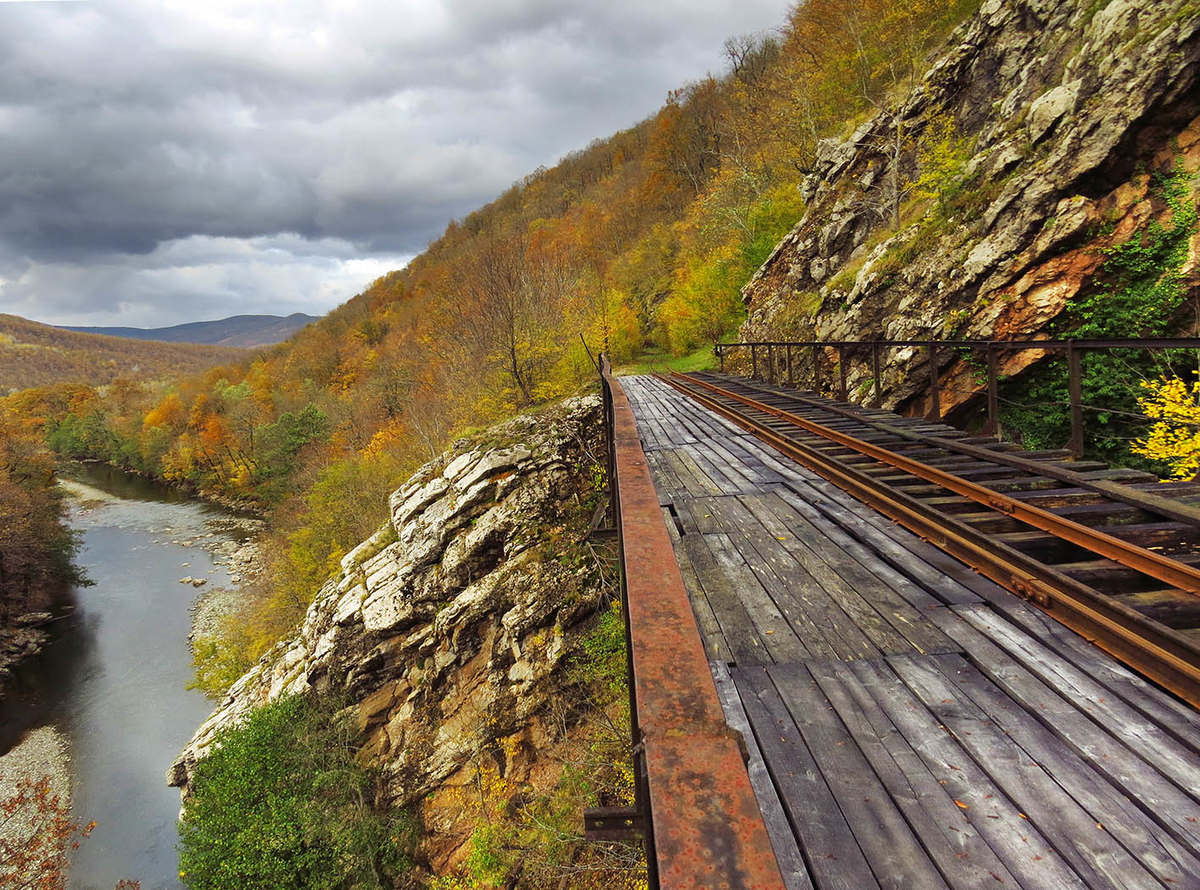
(281, 802)
(1138, 292)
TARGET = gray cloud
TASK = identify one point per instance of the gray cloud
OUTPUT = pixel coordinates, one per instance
(166, 161)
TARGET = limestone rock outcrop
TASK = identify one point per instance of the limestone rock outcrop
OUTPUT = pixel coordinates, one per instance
(450, 626)
(1070, 106)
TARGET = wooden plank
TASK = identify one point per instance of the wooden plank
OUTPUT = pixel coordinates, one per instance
(716, 647)
(666, 483)
(1157, 747)
(945, 577)
(834, 540)
(885, 837)
(961, 854)
(861, 631)
(740, 633)
(887, 617)
(727, 480)
(787, 849)
(903, 555)
(1079, 836)
(835, 859)
(693, 480)
(825, 630)
(774, 628)
(1176, 717)
(1020, 845)
(698, 517)
(1120, 813)
(749, 465)
(1120, 761)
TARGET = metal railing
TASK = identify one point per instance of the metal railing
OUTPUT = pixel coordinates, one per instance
(779, 361)
(694, 810)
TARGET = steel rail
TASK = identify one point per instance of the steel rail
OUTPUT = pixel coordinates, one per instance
(1157, 651)
(1171, 572)
(1175, 510)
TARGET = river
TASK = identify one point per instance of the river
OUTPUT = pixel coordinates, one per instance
(114, 679)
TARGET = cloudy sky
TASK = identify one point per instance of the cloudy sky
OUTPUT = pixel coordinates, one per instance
(187, 160)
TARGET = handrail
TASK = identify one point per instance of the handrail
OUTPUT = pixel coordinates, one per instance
(702, 824)
(935, 348)
(1050, 343)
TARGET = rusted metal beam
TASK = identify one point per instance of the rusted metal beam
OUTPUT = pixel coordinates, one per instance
(877, 372)
(705, 827)
(1102, 345)
(1075, 396)
(935, 388)
(841, 351)
(993, 393)
(1162, 654)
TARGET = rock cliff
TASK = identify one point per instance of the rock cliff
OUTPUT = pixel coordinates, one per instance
(452, 625)
(1063, 110)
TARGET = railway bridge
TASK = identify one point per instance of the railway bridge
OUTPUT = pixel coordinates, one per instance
(870, 651)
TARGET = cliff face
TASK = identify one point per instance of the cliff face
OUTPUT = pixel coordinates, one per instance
(452, 626)
(1062, 110)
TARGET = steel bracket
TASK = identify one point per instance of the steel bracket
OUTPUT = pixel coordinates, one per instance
(613, 824)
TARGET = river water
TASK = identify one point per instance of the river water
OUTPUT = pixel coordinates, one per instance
(114, 679)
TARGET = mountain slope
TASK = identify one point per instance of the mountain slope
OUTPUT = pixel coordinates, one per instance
(237, 330)
(33, 354)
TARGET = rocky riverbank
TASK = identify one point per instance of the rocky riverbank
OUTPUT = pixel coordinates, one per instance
(245, 564)
(40, 755)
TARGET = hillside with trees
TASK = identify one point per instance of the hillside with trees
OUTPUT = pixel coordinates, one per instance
(638, 240)
(33, 354)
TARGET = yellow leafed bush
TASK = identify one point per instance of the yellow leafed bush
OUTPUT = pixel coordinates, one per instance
(1175, 438)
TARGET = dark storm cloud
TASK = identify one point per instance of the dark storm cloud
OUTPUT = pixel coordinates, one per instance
(129, 127)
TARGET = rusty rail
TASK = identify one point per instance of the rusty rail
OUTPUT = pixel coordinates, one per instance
(1165, 569)
(1163, 654)
(703, 825)
(935, 349)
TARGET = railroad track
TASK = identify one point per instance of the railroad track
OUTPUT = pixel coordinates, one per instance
(1112, 553)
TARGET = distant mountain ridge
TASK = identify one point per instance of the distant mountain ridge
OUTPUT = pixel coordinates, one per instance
(35, 354)
(237, 330)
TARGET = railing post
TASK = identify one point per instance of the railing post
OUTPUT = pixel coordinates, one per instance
(816, 351)
(720, 348)
(842, 372)
(993, 392)
(791, 379)
(935, 391)
(753, 361)
(770, 362)
(1074, 387)
(878, 402)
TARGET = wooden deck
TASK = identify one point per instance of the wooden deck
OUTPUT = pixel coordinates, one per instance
(910, 724)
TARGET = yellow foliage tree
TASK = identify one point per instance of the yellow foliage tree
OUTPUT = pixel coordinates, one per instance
(1175, 438)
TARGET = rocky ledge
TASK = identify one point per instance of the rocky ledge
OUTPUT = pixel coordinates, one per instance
(1066, 108)
(450, 625)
